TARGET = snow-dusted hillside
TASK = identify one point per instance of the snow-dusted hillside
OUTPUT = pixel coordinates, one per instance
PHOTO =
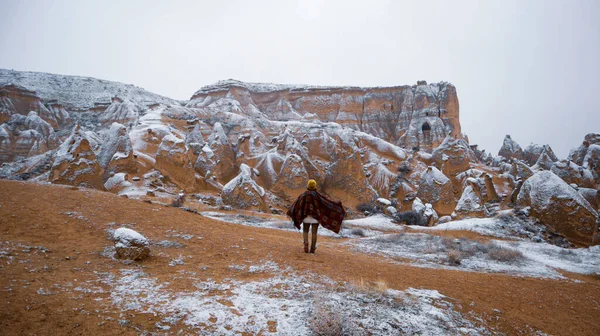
(80, 93)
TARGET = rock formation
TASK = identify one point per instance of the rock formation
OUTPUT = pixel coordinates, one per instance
(560, 207)
(437, 189)
(243, 192)
(130, 245)
(510, 149)
(75, 163)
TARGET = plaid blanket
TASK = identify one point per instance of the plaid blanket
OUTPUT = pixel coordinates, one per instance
(330, 214)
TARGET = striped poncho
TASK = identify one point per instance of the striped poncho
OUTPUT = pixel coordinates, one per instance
(330, 214)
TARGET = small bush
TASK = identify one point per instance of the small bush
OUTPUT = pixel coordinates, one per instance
(358, 232)
(404, 168)
(502, 254)
(178, 202)
(411, 218)
(454, 257)
(368, 208)
(326, 321)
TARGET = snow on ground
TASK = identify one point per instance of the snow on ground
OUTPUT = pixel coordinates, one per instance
(285, 303)
(580, 260)
(501, 227)
(513, 258)
(287, 225)
(377, 222)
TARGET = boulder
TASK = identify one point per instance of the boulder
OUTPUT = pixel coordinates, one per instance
(510, 149)
(130, 245)
(560, 207)
(243, 192)
(437, 189)
(470, 203)
(117, 182)
(570, 172)
(453, 156)
(426, 211)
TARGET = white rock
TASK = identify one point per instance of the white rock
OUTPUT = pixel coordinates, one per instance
(130, 244)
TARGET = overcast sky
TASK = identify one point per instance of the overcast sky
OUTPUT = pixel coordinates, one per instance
(526, 68)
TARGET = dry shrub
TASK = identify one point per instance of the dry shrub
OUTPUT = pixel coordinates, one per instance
(326, 321)
(454, 257)
(502, 254)
(178, 202)
(358, 232)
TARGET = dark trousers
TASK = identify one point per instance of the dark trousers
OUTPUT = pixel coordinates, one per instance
(305, 227)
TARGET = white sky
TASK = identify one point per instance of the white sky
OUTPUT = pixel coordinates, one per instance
(526, 68)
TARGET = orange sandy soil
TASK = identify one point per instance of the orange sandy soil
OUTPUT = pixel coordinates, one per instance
(32, 214)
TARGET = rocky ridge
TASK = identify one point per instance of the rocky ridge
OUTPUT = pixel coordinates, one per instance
(253, 146)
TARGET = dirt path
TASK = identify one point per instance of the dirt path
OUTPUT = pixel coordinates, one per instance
(71, 225)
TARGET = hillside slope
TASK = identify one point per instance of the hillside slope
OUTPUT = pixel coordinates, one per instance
(58, 277)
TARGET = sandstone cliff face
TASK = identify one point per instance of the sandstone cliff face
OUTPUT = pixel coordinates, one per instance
(421, 115)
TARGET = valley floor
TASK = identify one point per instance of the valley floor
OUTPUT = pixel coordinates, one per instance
(208, 274)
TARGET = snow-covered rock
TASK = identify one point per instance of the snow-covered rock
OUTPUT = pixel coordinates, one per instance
(470, 203)
(560, 207)
(173, 160)
(117, 182)
(453, 155)
(510, 149)
(532, 152)
(243, 192)
(130, 244)
(116, 154)
(75, 162)
(120, 111)
(437, 189)
(570, 172)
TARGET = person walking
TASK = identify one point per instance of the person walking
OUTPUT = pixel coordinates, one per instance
(311, 209)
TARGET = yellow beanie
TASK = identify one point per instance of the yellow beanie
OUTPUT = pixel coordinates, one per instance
(312, 185)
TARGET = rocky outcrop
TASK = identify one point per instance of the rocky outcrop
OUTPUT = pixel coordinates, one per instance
(560, 207)
(545, 160)
(570, 172)
(15, 99)
(116, 154)
(510, 149)
(120, 111)
(174, 161)
(243, 192)
(453, 156)
(421, 115)
(471, 202)
(578, 154)
(532, 152)
(76, 164)
(25, 136)
(437, 189)
(130, 245)
(217, 157)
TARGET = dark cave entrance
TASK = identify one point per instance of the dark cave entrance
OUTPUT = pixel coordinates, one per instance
(426, 132)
